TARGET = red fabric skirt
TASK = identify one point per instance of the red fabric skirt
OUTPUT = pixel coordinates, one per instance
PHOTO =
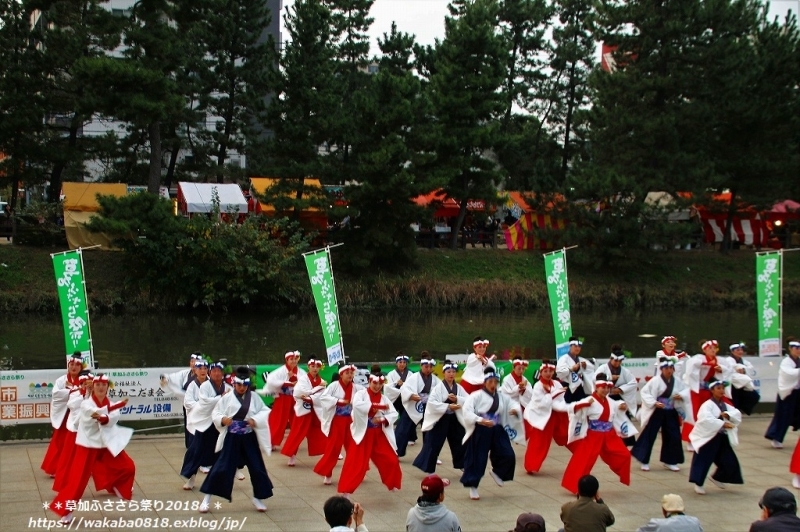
(51, 457)
(282, 415)
(373, 447)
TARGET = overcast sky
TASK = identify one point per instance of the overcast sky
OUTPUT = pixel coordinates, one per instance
(425, 18)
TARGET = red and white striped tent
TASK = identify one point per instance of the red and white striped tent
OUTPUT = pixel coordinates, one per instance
(747, 228)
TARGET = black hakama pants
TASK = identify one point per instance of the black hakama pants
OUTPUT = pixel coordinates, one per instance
(488, 444)
(577, 395)
(446, 429)
(717, 451)
(238, 449)
(404, 432)
(786, 415)
(745, 400)
(668, 422)
(200, 451)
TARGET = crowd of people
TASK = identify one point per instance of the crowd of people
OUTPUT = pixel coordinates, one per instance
(589, 408)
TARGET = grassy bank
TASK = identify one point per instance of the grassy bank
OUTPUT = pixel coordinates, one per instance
(479, 277)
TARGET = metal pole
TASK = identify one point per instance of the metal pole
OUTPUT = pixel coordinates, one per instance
(326, 248)
(78, 250)
(557, 250)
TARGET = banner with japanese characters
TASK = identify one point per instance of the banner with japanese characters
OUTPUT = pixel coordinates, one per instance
(320, 274)
(25, 395)
(71, 287)
(555, 269)
(768, 303)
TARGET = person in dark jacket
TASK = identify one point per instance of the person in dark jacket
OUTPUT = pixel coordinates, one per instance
(778, 512)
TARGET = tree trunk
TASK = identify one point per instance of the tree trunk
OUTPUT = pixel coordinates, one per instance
(298, 197)
(568, 122)
(462, 213)
(154, 175)
(726, 236)
(54, 190)
(173, 159)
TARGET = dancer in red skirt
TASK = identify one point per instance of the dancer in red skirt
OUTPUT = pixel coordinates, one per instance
(306, 425)
(335, 419)
(64, 387)
(68, 443)
(281, 383)
(477, 362)
(372, 438)
(545, 418)
(98, 452)
(597, 426)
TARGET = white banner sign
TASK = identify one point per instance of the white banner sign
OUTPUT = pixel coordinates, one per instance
(25, 395)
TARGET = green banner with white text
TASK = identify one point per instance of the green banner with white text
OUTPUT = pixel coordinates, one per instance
(74, 307)
(320, 274)
(555, 269)
(768, 303)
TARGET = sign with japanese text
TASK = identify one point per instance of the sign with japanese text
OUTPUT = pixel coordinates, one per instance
(25, 395)
(768, 303)
(74, 309)
(320, 274)
(555, 269)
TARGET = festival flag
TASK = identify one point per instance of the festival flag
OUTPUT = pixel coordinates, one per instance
(768, 302)
(555, 269)
(71, 287)
(320, 273)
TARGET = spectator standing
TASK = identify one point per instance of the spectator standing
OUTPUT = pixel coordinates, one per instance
(674, 519)
(341, 515)
(430, 514)
(778, 512)
(589, 513)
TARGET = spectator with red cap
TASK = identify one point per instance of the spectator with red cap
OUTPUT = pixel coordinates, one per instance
(430, 514)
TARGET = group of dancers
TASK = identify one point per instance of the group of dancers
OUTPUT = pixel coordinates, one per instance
(587, 408)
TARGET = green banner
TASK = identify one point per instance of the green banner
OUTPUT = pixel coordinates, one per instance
(320, 274)
(74, 311)
(555, 270)
(768, 303)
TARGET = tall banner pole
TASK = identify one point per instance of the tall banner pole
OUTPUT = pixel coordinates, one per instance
(320, 273)
(769, 288)
(71, 286)
(555, 270)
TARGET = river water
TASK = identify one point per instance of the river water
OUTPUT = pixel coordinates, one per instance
(37, 342)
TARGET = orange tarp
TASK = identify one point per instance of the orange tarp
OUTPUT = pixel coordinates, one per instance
(260, 185)
(83, 196)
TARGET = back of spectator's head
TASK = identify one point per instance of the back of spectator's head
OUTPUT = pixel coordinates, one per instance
(432, 487)
(529, 523)
(338, 511)
(778, 501)
(672, 503)
(588, 486)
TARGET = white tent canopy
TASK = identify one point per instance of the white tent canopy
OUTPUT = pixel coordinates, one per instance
(198, 197)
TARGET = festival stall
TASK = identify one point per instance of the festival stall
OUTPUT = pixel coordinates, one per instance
(310, 217)
(198, 198)
(80, 204)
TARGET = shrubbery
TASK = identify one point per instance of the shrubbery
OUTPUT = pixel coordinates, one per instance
(206, 260)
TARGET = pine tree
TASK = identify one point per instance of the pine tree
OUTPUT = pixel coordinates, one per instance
(304, 103)
(22, 103)
(387, 155)
(465, 90)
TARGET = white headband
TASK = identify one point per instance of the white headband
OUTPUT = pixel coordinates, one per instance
(607, 384)
(290, 354)
(239, 380)
(666, 363)
(201, 364)
(216, 365)
(491, 375)
(100, 378)
(400, 358)
(736, 346)
(575, 342)
(715, 383)
(617, 357)
(430, 361)
(314, 362)
(546, 365)
(710, 343)
(450, 365)
(347, 367)
(377, 378)
(794, 344)
(476, 343)
(520, 362)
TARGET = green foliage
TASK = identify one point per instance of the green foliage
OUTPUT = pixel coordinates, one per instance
(206, 260)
